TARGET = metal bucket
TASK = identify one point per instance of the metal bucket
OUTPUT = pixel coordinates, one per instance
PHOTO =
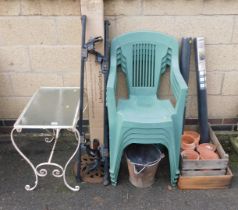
(142, 161)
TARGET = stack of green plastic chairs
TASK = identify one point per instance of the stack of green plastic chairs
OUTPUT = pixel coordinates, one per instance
(143, 118)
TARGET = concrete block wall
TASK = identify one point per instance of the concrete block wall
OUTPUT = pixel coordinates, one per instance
(40, 45)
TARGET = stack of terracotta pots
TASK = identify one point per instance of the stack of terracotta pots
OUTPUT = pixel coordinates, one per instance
(192, 150)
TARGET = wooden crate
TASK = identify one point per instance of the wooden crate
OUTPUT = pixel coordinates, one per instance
(206, 174)
(207, 167)
(205, 182)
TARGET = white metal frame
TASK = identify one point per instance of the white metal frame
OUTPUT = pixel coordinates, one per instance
(39, 170)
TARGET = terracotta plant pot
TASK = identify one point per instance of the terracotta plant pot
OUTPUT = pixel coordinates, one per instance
(188, 142)
(206, 154)
(190, 155)
(207, 146)
(194, 134)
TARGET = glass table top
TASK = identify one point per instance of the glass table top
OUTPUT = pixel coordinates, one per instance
(51, 107)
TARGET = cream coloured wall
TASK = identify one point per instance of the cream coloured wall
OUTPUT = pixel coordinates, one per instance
(40, 45)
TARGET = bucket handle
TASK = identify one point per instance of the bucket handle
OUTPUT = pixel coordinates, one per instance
(154, 163)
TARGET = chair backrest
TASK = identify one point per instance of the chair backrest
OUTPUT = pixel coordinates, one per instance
(143, 56)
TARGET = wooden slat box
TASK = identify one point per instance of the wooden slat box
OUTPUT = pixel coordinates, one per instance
(196, 174)
(205, 182)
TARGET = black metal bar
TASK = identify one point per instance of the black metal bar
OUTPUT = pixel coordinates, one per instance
(105, 70)
(83, 57)
(200, 60)
(185, 55)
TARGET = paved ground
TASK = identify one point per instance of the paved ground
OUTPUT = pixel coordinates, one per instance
(52, 195)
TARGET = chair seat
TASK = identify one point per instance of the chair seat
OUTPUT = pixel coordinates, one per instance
(145, 110)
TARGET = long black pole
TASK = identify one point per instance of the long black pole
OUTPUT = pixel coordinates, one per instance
(105, 69)
(200, 60)
(83, 20)
(185, 55)
(185, 58)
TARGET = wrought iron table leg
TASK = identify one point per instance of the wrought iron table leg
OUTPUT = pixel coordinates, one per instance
(77, 136)
(27, 187)
(42, 172)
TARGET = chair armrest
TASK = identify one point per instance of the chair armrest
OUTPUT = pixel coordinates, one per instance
(111, 90)
(179, 88)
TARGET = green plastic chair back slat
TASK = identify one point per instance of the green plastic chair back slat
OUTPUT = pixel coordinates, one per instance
(144, 118)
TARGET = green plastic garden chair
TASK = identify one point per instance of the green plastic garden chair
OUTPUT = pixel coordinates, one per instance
(143, 118)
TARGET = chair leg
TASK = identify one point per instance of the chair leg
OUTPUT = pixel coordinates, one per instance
(174, 166)
(115, 163)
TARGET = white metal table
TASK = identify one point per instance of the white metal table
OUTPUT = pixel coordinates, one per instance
(52, 109)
